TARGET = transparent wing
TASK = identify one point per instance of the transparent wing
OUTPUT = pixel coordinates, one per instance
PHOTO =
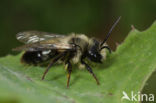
(29, 37)
(44, 46)
(39, 41)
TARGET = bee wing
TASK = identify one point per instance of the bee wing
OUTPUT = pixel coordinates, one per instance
(29, 37)
(44, 46)
(39, 41)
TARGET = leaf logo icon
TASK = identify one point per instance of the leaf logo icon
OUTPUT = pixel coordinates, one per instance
(125, 96)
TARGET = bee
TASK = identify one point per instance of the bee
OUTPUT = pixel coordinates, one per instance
(41, 47)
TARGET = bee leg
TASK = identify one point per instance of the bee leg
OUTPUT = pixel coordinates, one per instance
(69, 70)
(51, 63)
(107, 47)
(90, 70)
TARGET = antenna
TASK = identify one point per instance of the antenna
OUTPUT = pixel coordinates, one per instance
(110, 31)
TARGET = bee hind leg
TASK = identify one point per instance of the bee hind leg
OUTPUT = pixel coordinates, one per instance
(90, 70)
(69, 70)
(54, 60)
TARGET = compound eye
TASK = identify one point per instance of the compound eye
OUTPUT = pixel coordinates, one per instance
(94, 56)
(91, 53)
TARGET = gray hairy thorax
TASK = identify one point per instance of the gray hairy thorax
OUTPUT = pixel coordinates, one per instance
(83, 42)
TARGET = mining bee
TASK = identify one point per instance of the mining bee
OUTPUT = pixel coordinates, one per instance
(43, 47)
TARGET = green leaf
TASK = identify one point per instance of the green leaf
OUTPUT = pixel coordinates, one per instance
(127, 69)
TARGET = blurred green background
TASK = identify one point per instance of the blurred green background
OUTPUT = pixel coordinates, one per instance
(91, 17)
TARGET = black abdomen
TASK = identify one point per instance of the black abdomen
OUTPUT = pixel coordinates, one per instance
(37, 57)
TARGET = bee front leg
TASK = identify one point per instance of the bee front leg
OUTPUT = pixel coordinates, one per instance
(69, 70)
(90, 70)
(107, 47)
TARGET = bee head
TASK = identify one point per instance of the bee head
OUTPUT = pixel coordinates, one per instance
(93, 53)
(95, 48)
